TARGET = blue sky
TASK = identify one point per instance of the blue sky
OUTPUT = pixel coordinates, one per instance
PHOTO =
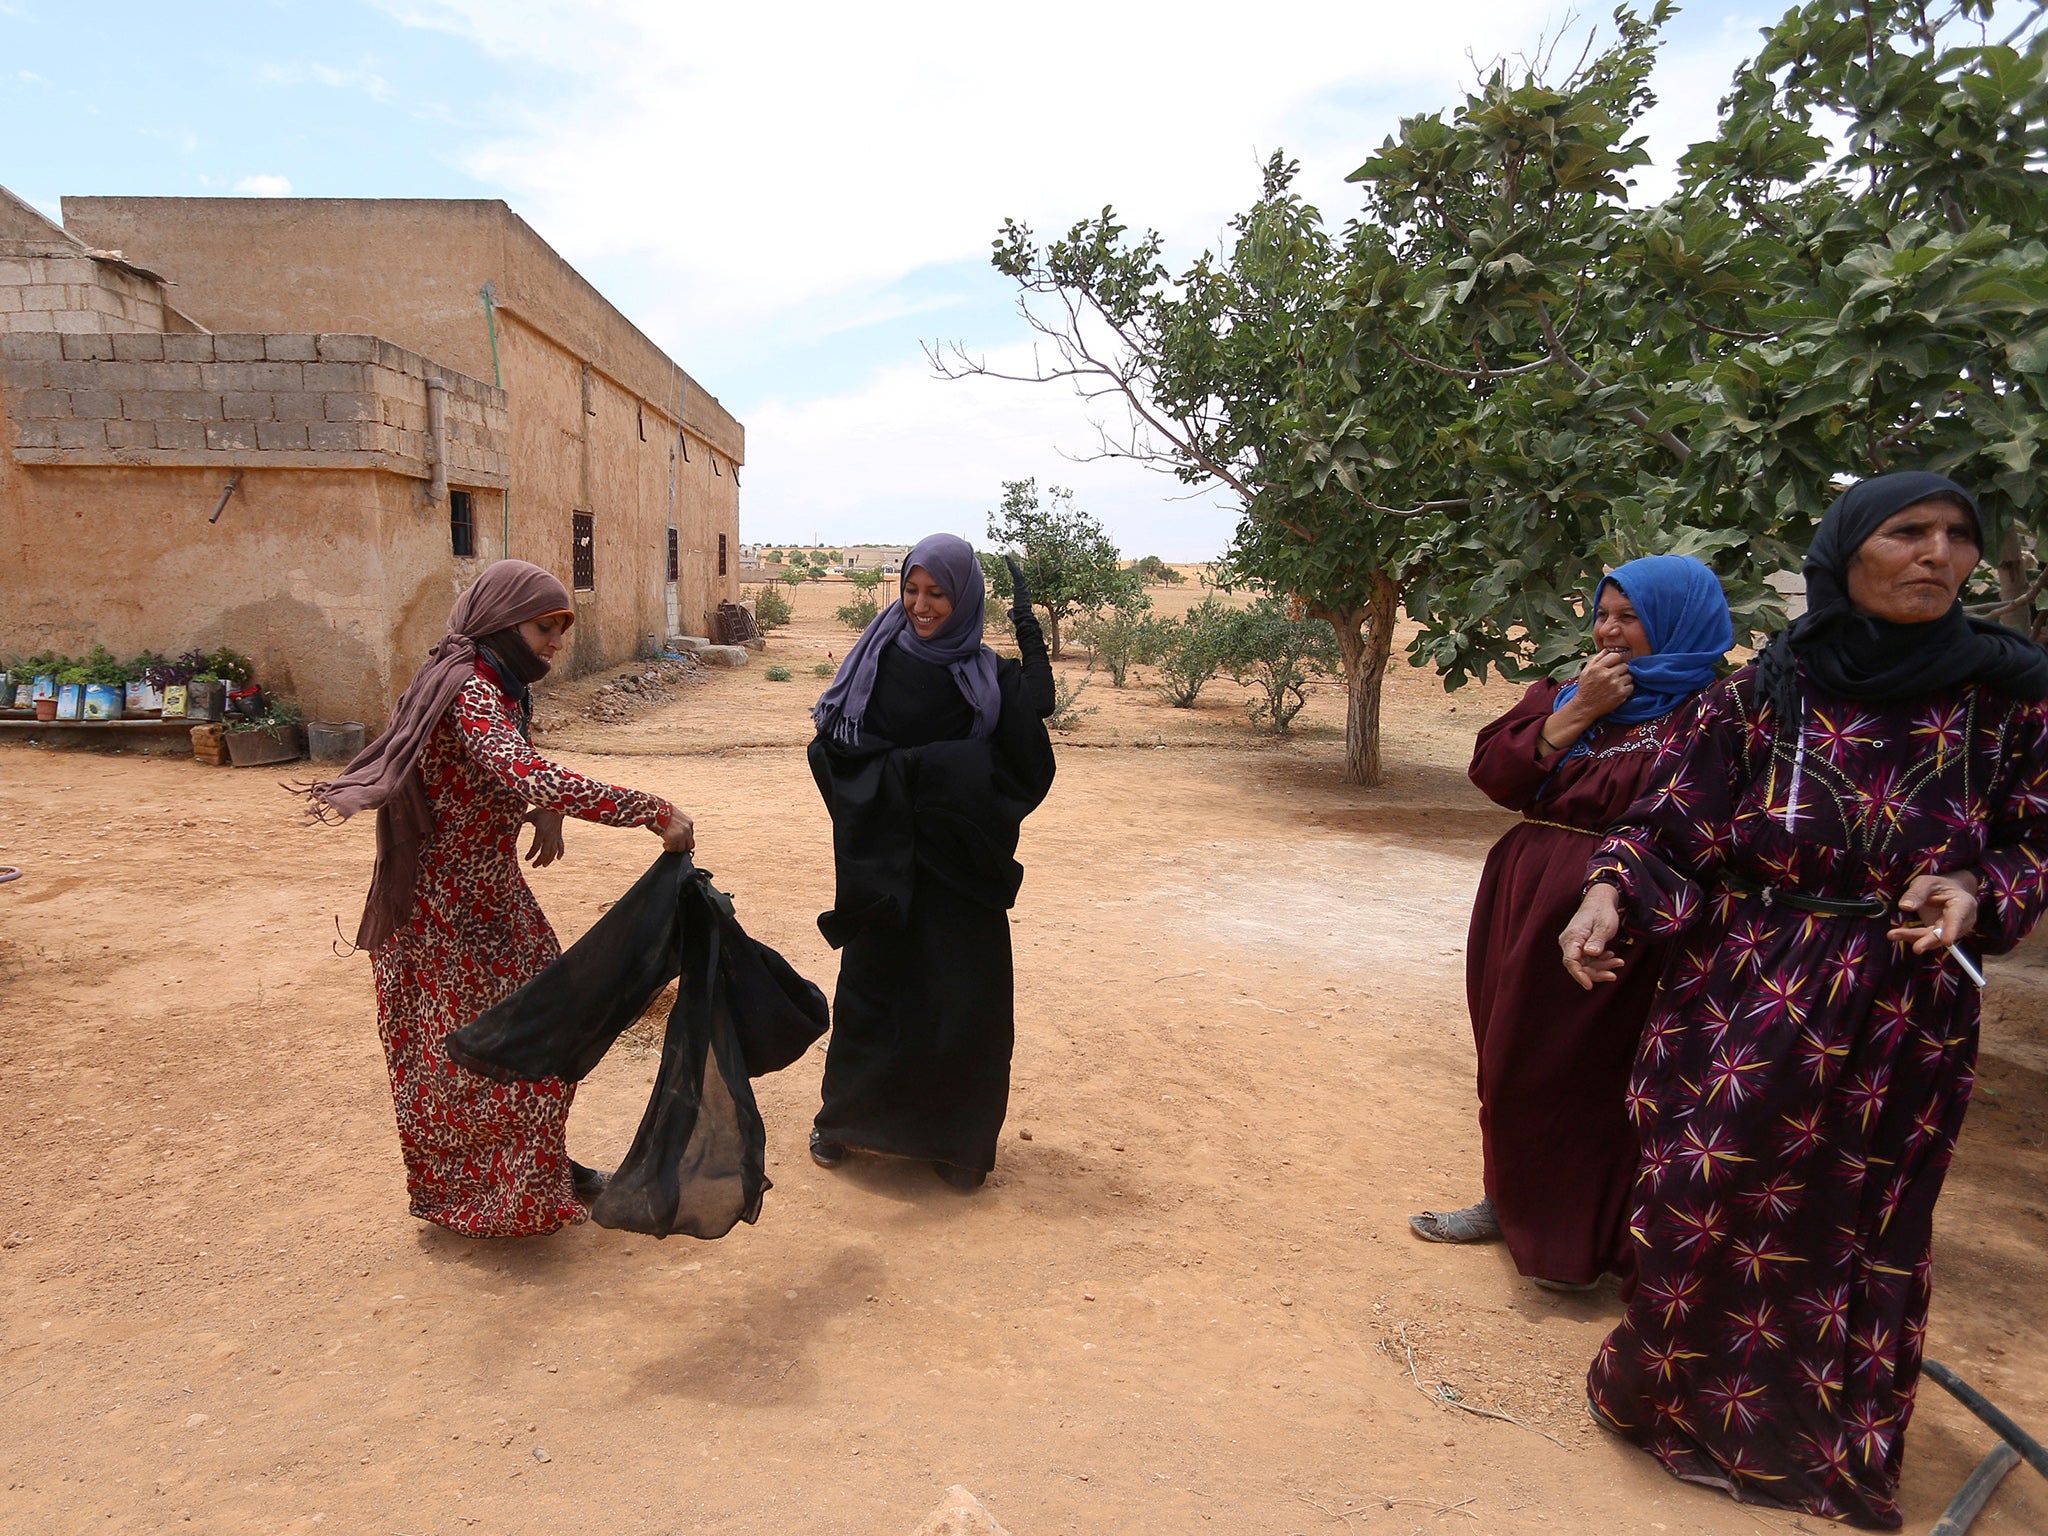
(792, 198)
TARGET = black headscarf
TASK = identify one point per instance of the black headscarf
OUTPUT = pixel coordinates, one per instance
(1855, 655)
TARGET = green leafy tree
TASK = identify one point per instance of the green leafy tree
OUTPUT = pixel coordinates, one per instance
(865, 581)
(771, 609)
(792, 576)
(1069, 562)
(1189, 651)
(859, 613)
(1153, 571)
(1115, 635)
(1237, 373)
(1276, 654)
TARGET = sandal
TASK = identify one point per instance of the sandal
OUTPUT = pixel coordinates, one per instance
(1474, 1224)
(1566, 1287)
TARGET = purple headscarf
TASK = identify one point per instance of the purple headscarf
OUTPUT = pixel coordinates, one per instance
(957, 645)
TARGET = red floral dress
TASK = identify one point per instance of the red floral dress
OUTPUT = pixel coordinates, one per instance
(482, 1158)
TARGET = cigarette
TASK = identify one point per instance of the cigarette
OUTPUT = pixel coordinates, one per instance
(1968, 966)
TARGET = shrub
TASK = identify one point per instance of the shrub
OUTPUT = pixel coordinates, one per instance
(1277, 654)
(1116, 636)
(1189, 650)
(778, 674)
(859, 613)
(824, 669)
(1152, 570)
(1065, 696)
(771, 609)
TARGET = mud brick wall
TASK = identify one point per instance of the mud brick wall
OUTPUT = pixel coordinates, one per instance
(258, 401)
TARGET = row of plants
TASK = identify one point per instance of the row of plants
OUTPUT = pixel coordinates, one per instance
(1267, 647)
(101, 665)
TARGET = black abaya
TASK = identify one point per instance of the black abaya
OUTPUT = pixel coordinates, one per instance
(924, 837)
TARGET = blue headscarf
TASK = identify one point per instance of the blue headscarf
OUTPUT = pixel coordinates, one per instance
(957, 645)
(1685, 615)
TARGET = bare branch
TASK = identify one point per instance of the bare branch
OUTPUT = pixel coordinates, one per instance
(1480, 374)
(2024, 600)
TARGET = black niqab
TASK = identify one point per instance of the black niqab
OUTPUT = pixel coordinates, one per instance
(1855, 655)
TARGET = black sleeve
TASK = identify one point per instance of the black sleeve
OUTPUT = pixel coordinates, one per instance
(1023, 746)
(1037, 664)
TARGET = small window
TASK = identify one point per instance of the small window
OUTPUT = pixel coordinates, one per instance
(721, 554)
(674, 563)
(462, 524)
(583, 561)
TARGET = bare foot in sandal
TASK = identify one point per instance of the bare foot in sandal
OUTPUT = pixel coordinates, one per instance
(1474, 1224)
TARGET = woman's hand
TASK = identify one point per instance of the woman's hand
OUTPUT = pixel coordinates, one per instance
(1605, 684)
(1587, 938)
(677, 832)
(547, 838)
(1950, 900)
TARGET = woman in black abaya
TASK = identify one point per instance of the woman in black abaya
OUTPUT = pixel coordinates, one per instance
(930, 753)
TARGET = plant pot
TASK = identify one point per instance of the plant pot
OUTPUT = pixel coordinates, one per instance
(71, 701)
(205, 701)
(334, 741)
(46, 709)
(280, 744)
(141, 699)
(102, 701)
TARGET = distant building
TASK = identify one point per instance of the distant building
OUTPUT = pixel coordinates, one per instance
(887, 558)
(750, 557)
(397, 390)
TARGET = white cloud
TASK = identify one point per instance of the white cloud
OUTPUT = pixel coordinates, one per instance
(806, 167)
(908, 454)
(265, 186)
(361, 78)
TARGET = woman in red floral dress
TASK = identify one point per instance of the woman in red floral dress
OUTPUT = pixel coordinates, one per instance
(450, 922)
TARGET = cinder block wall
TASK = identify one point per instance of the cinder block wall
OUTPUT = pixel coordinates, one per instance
(284, 401)
(75, 295)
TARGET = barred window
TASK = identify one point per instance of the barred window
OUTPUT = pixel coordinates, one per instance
(583, 561)
(721, 554)
(462, 524)
(674, 562)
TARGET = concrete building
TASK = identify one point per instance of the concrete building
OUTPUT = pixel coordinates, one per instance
(876, 557)
(399, 391)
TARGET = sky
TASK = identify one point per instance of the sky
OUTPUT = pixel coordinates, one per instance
(793, 199)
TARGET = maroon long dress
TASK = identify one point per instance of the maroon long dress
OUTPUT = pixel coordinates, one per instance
(1554, 1060)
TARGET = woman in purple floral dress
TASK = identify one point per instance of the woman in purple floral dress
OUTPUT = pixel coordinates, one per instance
(1808, 1061)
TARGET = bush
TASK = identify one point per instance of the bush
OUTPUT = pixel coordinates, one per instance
(1277, 654)
(1115, 636)
(1152, 570)
(1065, 696)
(771, 609)
(778, 674)
(824, 669)
(1189, 650)
(859, 613)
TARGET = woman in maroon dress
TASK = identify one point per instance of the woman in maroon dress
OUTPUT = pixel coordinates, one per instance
(1808, 1059)
(1553, 1060)
(450, 923)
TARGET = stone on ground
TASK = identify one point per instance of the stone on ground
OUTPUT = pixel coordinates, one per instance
(722, 655)
(687, 642)
(960, 1513)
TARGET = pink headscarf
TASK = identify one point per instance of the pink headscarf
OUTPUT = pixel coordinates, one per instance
(384, 776)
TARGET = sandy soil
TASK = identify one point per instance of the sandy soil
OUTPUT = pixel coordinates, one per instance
(1179, 1306)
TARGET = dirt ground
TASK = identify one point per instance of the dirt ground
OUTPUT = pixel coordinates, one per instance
(1182, 1304)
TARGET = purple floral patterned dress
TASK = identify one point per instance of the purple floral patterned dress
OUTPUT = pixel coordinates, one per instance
(1802, 1078)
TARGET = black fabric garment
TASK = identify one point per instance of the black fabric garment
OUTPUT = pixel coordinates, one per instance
(697, 1162)
(924, 837)
(1854, 655)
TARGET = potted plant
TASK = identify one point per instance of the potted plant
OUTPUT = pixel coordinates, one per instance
(106, 678)
(205, 697)
(275, 736)
(70, 693)
(140, 696)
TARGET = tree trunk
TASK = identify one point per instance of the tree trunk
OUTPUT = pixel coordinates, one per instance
(2012, 569)
(1365, 638)
(1052, 634)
